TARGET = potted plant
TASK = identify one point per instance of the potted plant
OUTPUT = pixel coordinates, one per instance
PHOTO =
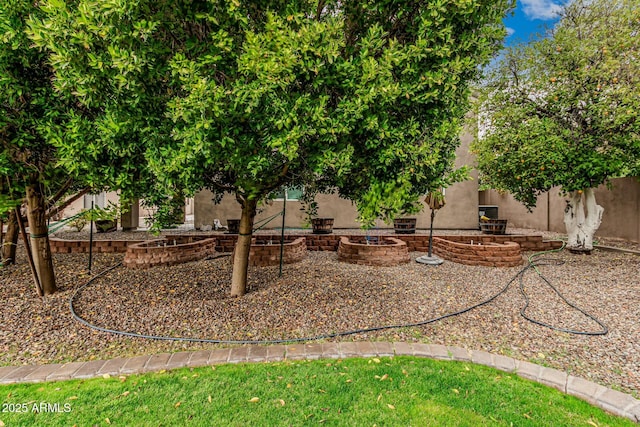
(310, 207)
(233, 226)
(404, 225)
(79, 221)
(106, 219)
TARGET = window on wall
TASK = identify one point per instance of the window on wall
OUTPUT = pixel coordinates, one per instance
(292, 194)
(98, 199)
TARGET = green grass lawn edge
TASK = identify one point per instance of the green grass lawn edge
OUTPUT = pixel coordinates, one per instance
(401, 390)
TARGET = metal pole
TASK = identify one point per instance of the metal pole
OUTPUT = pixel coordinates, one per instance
(1, 236)
(433, 214)
(284, 212)
(91, 236)
(27, 246)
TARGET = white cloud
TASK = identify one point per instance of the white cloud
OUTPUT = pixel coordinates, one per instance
(541, 9)
(510, 31)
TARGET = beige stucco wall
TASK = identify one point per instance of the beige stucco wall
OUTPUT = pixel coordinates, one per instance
(460, 211)
(113, 197)
(621, 205)
(78, 205)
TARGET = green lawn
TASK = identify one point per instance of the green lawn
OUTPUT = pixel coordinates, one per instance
(401, 391)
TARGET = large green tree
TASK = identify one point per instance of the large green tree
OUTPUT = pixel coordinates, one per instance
(563, 111)
(249, 96)
(29, 107)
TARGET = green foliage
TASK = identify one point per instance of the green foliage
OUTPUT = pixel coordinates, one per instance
(106, 219)
(79, 222)
(167, 211)
(562, 111)
(28, 106)
(119, 98)
(309, 204)
(378, 391)
(246, 97)
(109, 213)
(7, 203)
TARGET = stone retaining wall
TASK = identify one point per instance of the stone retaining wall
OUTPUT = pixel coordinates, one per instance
(170, 250)
(488, 254)
(415, 243)
(355, 250)
(325, 242)
(526, 242)
(265, 251)
(82, 246)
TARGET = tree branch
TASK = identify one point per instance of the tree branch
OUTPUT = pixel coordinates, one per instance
(66, 203)
(61, 192)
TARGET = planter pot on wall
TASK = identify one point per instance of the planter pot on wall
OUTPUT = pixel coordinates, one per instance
(494, 226)
(322, 225)
(233, 225)
(404, 225)
(106, 225)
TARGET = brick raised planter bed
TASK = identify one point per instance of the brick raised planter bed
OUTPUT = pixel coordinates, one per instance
(326, 242)
(265, 250)
(62, 246)
(170, 250)
(489, 254)
(387, 252)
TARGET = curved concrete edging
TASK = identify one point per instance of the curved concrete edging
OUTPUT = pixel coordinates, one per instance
(610, 400)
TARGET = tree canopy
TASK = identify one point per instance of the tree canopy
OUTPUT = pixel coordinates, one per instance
(261, 93)
(29, 110)
(563, 111)
(28, 106)
(245, 97)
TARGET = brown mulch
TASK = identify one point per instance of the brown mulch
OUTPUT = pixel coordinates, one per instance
(321, 296)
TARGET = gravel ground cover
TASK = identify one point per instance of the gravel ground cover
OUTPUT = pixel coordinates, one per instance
(321, 296)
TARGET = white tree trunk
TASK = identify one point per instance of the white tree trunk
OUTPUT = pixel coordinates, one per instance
(582, 218)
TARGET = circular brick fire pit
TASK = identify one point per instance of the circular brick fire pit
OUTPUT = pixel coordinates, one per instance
(471, 252)
(265, 250)
(170, 250)
(383, 251)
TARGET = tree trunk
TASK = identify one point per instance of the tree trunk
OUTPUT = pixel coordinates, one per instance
(582, 219)
(37, 218)
(241, 253)
(10, 240)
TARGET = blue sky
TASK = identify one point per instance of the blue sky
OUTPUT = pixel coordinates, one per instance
(530, 17)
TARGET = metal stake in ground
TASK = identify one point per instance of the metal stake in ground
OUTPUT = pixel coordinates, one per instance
(284, 214)
(435, 200)
(91, 235)
(27, 246)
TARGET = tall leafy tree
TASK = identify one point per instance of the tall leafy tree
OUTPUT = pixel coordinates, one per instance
(31, 110)
(246, 97)
(28, 107)
(563, 111)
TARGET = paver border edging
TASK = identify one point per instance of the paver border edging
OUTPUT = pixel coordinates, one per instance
(597, 395)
